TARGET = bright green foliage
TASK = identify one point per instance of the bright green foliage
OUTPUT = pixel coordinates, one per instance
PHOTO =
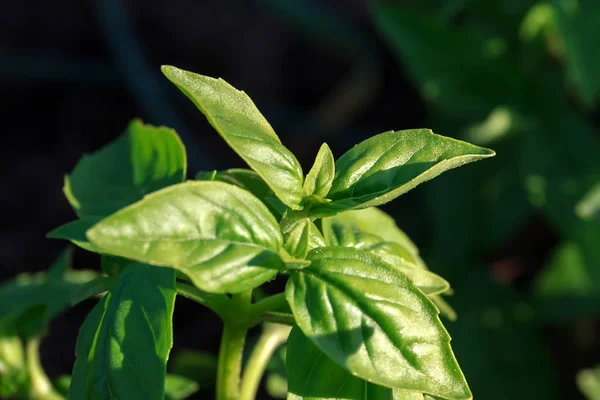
(368, 317)
(390, 164)
(223, 238)
(364, 305)
(235, 117)
(144, 159)
(124, 343)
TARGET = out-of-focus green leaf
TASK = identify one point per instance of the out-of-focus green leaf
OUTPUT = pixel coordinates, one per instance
(61, 385)
(235, 117)
(14, 380)
(223, 238)
(179, 388)
(61, 265)
(124, 343)
(494, 330)
(144, 159)
(390, 164)
(454, 67)
(96, 286)
(589, 206)
(588, 381)
(198, 366)
(566, 274)
(373, 321)
(578, 22)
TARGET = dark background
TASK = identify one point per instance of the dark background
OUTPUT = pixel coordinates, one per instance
(74, 73)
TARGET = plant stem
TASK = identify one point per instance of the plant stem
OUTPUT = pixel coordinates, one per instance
(41, 388)
(236, 325)
(279, 318)
(230, 362)
(268, 304)
(272, 337)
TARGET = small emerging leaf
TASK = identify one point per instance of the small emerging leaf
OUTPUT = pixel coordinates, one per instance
(235, 117)
(223, 238)
(179, 387)
(302, 238)
(320, 177)
(390, 164)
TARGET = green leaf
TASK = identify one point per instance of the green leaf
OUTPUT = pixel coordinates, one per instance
(589, 206)
(61, 265)
(588, 381)
(459, 71)
(372, 320)
(320, 177)
(303, 237)
(124, 343)
(144, 159)
(235, 117)
(61, 385)
(97, 285)
(223, 238)
(74, 231)
(178, 387)
(578, 27)
(345, 229)
(390, 164)
(197, 366)
(14, 380)
(307, 366)
(391, 253)
(566, 274)
(250, 181)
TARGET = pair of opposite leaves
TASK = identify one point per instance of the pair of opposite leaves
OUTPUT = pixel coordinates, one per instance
(221, 234)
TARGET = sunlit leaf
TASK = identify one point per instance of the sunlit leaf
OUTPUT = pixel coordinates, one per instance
(235, 117)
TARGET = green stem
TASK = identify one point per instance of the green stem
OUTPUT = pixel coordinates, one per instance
(230, 362)
(272, 337)
(41, 388)
(236, 325)
(279, 318)
(268, 304)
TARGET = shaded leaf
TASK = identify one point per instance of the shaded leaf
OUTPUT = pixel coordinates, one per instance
(124, 343)
(197, 366)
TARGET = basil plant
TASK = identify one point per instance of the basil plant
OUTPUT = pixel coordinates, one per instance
(360, 310)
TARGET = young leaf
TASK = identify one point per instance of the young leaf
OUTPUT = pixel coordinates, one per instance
(235, 117)
(144, 159)
(302, 238)
(223, 238)
(124, 343)
(372, 320)
(320, 177)
(374, 221)
(390, 164)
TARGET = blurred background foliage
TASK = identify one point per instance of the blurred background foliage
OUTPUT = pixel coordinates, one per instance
(518, 236)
